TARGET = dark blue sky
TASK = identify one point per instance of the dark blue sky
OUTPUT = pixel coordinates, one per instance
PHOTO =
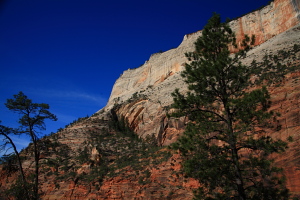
(69, 53)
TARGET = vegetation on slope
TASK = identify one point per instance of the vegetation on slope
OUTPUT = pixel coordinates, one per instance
(225, 145)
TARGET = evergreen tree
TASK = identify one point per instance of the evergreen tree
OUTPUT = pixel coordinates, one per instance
(12, 158)
(225, 145)
(32, 117)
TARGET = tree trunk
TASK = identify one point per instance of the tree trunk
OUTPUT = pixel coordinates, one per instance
(36, 159)
(235, 157)
(20, 165)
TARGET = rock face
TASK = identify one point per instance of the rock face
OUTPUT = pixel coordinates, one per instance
(160, 75)
(271, 20)
(142, 96)
(266, 23)
(149, 87)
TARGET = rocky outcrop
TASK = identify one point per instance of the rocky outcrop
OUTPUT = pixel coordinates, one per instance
(160, 75)
(269, 21)
(143, 93)
(147, 116)
(143, 114)
(142, 96)
(265, 23)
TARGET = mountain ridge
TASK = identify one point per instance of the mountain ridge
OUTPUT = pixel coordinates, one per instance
(162, 70)
(271, 20)
(100, 158)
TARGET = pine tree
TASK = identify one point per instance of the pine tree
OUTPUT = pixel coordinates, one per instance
(32, 118)
(225, 145)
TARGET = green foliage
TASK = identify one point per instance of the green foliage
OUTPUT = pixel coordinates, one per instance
(9, 163)
(80, 119)
(224, 145)
(32, 118)
(136, 97)
(12, 162)
(32, 114)
(151, 140)
(121, 125)
(144, 179)
(57, 155)
(120, 148)
(19, 191)
(83, 156)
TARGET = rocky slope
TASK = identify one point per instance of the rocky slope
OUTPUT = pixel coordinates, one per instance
(99, 158)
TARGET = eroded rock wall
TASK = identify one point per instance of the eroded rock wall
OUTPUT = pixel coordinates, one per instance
(154, 81)
(269, 21)
(265, 23)
(142, 96)
(275, 26)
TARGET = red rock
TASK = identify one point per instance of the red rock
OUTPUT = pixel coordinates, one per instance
(148, 116)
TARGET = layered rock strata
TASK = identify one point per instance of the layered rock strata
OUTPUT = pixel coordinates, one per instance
(149, 87)
(142, 96)
(265, 23)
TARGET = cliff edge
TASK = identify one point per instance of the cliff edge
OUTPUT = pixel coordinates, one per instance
(154, 81)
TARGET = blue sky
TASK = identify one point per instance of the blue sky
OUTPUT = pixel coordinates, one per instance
(69, 53)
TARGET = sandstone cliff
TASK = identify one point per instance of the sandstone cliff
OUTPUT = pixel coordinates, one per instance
(95, 162)
(160, 75)
(266, 23)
